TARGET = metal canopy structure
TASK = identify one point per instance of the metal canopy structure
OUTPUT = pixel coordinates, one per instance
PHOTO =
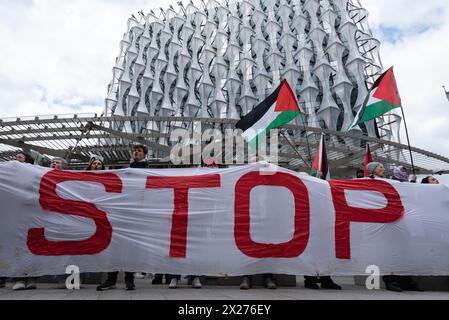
(76, 137)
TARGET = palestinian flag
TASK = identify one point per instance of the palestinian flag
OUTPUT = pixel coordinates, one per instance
(320, 164)
(278, 109)
(368, 160)
(383, 97)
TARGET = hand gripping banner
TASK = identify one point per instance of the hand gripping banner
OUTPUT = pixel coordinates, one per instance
(242, 220)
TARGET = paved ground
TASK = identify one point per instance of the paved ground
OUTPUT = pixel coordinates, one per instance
(146, 291)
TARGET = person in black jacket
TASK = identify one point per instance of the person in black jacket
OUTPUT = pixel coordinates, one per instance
(138, 161)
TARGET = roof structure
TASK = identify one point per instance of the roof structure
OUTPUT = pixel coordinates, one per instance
(77, 137)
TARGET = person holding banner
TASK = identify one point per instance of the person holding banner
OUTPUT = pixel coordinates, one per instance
(23, 283)
(138, 161)
(173, 279)
(393, 282)
(58, 163)
(24, 157)
(376, 170)
(360, 174)
(401, 174)
(96, 163)
(430, 180)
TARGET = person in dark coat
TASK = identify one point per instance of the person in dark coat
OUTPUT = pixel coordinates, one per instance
(393, 282)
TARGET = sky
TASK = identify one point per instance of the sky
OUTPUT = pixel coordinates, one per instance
(57, 57)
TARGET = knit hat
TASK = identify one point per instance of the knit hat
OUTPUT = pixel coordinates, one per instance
(95, 157)
(372, 167)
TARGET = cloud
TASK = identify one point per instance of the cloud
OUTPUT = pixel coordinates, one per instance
(414, 40)
(65, 48)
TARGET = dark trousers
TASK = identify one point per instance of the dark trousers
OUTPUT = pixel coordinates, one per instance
(23, 279)
(265, 276)
(168, 277)
(112, 277)
(315, 279)
(402, 281)
(159, 276)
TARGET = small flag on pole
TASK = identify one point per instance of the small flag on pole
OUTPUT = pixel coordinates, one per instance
(278, 109)
(320, 168)
(382, 98)
(368, 160)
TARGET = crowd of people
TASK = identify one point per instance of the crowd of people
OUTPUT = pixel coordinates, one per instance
(138, 161)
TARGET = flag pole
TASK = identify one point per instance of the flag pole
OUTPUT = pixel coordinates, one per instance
(294, 148)
(307, 138)
(408, 140)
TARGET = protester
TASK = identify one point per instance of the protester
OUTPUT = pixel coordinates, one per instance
(360, 174)
(401, 174)
(196, 281)
(376, 170)
(58, 163)
(23, 283)
(393, 282)
(138, 161)
(96, 164)
(139, 154)
(24, 157)
(311, 282)
(430, 180)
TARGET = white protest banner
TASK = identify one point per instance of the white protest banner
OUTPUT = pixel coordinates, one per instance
(232, 221)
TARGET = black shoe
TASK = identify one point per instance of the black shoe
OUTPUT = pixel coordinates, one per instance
(107, 285)
(411, 287)
(330, 284)
(157, 279)
(311, 285)
(393, 286)
(129, 286)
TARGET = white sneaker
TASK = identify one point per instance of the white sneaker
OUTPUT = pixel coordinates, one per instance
(196, 283)
(19, 285)
(173, 283)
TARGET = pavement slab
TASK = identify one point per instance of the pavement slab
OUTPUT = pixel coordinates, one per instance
(147, 291)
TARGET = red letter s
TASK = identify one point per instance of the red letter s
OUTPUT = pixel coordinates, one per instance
(50, 201)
